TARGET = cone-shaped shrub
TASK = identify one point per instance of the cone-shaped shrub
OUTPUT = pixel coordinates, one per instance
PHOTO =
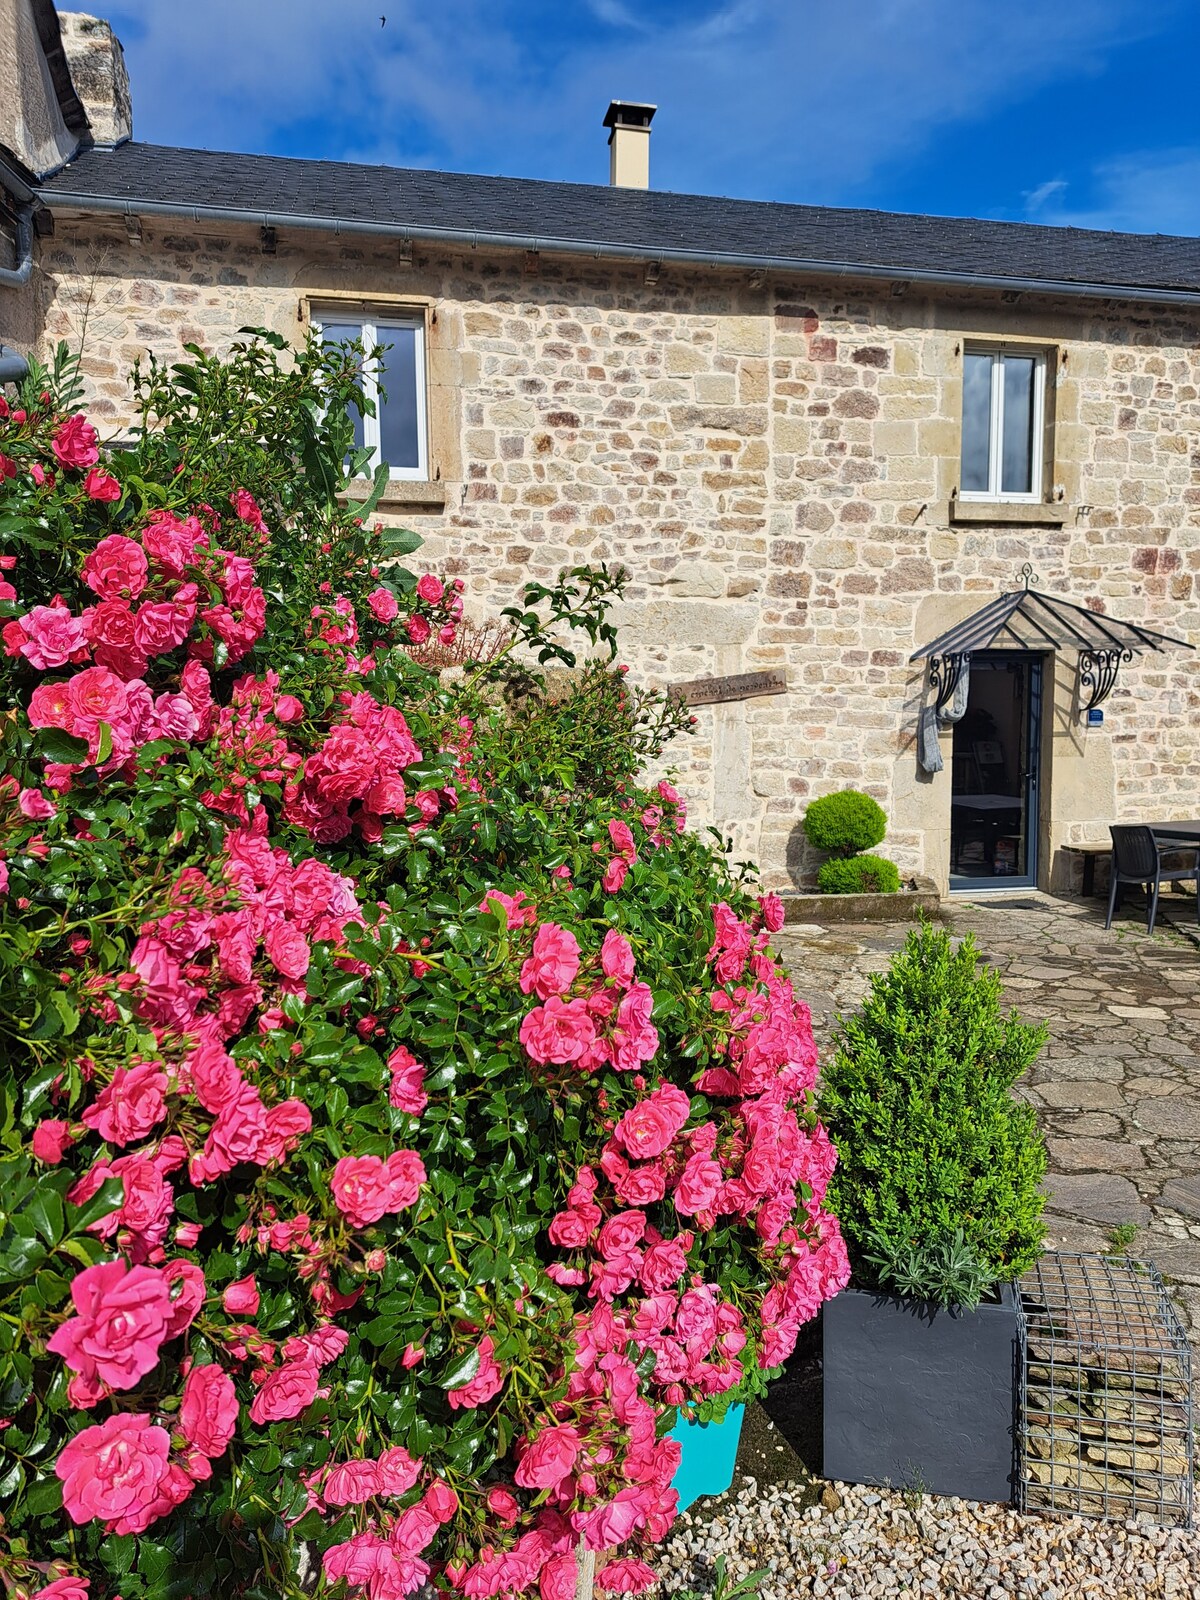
(938, 1164)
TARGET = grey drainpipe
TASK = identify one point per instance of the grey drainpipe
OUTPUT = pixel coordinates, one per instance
(17, 277)
(13, 368)
(59, 199)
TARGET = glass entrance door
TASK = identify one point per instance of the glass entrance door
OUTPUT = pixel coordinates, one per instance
(994, 783)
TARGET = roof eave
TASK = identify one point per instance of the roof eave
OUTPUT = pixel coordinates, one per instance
(59, 199)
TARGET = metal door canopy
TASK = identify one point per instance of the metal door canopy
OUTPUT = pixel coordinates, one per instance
(1028, 619)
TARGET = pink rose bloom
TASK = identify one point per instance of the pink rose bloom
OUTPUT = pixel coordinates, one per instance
(634, 1040)
(186, 1282)
(132, 1104)
(286, 1392)
(397, 1471)
(648, 1128)
(506, 1508)
(548, 1458)
(612, 1524)
(160, 626)
(430, 589)
(626, 1576)
(408, 1077)
(208, 1412)
(93, 696)
(508, 908)
(665, 1263)
(68, 1588)
(286, 1125)
(557, 1579)
(174, 717)
(101, 486)
(622, 840)
(216, 1077)
(288, 708)
(241, 1299)
(699, 1186)
(366, 1188)
(117, 568)
(488, 1380)
(616, 958)
(76, 443)
(615, 874)
(772, 912)
(53, 636)
(114, 1473)
(440, 1501)
(245, 507)
(287, 949)
(418, 630)
(322, 1345)
(352, 1484)
(122, 1321)
(359, 1561)
(560, 1031)
(620, 1233)
(51, 1139)
(554, 963)
(145, 1213)
(571, 1229)
(384, 605)
(34, 805)
(237, 580)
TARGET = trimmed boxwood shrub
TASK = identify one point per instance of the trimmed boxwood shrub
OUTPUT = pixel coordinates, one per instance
(845, 823)
(858, 875)
(938, 1169)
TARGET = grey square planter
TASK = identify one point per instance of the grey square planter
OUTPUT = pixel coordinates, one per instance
(917, 1396)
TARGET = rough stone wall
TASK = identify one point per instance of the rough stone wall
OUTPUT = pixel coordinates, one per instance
(774, 465)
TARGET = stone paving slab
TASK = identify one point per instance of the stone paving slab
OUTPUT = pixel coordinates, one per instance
(1117, 1087)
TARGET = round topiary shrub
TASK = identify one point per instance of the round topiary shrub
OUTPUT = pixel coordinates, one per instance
(858, 875)
(845, 823)
(936, 1185)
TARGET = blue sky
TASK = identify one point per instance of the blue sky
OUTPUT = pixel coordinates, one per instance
(1062, 111)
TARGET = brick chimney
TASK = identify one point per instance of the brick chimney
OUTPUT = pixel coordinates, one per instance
(97, 66)
(629, 144)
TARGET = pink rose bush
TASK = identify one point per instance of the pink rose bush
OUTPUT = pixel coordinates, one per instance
(414, 1115)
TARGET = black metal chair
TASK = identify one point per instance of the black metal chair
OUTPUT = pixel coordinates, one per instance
(1137, 858)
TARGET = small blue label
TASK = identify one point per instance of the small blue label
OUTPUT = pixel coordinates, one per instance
(1095, 717)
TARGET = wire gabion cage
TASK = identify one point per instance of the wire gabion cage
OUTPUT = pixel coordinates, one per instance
(1105, 1418)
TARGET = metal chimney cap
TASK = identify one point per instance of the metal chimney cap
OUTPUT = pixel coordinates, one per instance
(628, 114)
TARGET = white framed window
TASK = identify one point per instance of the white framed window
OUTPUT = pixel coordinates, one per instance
(1003, 420)
(398, 432)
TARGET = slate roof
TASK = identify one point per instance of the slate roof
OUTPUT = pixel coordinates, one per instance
(649, 224)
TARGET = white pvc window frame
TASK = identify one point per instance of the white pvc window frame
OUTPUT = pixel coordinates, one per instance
(994, 492)
(373, 329)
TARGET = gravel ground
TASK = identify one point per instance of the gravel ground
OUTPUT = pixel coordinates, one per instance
(861, 1542)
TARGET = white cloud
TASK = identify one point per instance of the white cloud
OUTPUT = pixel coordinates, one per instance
(1156, 191)
(765, 98)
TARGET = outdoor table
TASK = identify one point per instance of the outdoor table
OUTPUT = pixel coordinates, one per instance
(1170, 832)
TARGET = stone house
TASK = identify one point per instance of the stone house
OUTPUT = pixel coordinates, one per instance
(819, 440)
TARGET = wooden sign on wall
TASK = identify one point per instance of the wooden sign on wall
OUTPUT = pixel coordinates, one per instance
(737, 686)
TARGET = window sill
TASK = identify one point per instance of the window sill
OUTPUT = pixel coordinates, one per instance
(1030, 513)
(408, 492)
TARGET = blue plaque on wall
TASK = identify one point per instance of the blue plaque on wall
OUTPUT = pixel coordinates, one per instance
(1095, 717)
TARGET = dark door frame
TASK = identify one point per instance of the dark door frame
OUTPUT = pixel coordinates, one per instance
(1034, 663)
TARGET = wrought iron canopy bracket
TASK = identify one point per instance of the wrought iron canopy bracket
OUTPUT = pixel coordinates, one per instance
(944, 674)
(1098, 675)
